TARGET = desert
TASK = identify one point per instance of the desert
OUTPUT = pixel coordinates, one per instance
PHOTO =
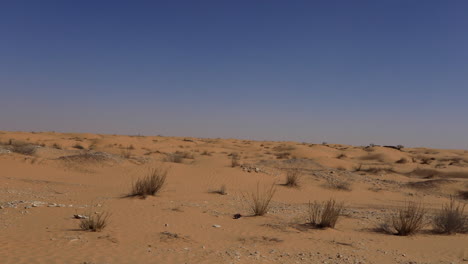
(203, 212)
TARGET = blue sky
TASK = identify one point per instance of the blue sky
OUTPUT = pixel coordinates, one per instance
(352, 72)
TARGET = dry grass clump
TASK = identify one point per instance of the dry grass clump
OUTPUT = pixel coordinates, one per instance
(284, 148)
(402, 161)
(293, 177)
(95, 222)
(78, 146)
(407, 221)
(283, 155)
(451, 219)
(235, 158)
(259, 201)
(150, 184)
(56, 146)
(126, 153)
(463, 195)
(338, 184)
(22, 147)
(178, 156)
(324, 215)
(222, 190)
(205, 153)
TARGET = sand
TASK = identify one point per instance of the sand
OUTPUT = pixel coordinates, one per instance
(188, 222)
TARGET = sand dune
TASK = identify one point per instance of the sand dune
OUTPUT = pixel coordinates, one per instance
(47, 178)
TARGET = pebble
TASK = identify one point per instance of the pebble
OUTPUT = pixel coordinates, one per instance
(216, 226)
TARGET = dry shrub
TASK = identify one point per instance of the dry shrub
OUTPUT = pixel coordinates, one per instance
(22, 147)
(463, 195)
(451, 219)
(235, 160)
(402, 161)
(185, 154)
(259, 201)
(222, 190)
(56, 146)
(283, 148)
(323, 215)
(293, 177)
(78, 146)
(150, 184)
(205, 153)
(283, 155)
(338, 184)
(342, 156)
(408, 220)
(174, 157)
(126, 153)
(95, 222)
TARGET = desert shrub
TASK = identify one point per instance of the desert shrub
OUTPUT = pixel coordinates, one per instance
(150, 184)
(174, 157)
(23, 147)
(283, 155)
(57, 146)
(451, 218)
(402, 161)
(293, 177)
(283, 148)
(184, 154)
(259, 201)
(342, 156)
(126, 153)
(323, 215)
(408, 220)
(235, 160)
(205, 153)
(78, 146)
(463, 195)
(338, 184)
(95, 222)
(222, 190)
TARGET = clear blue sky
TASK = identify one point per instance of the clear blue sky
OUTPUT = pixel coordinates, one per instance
(353, 72)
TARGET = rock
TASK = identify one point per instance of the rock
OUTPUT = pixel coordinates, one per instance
(257, 169)
(77, 216)
(236, 216)
(216, 226)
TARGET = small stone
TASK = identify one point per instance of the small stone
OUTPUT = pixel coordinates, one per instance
(166, 225)
(216, 226)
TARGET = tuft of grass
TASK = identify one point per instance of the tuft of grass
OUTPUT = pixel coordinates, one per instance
(222, 190)
(95, 222)
(259, 201)
(463, 195)
(150, 184)
(22, 147)
(56, 146)
(126, 153)
(324, 215)
(451, 219)
(408, 220)
(235, 160)
(78, 146)
(338, 184)
(293, 177)
(402, 161)
(283, 155)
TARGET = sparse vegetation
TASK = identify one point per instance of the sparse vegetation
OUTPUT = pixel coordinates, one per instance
(283, 155)
(23, 148)
(451, 219)
(126, 153)
(338, 184)
(293, 177)
(324, 215)
(235, 160)
(402, 161)
(150, 184)
(222, 190)
(78, 146)
(407, 221)
(259, 201)
(95, 222)
(56, 146)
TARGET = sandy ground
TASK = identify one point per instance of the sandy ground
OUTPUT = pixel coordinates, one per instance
(67, 174)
